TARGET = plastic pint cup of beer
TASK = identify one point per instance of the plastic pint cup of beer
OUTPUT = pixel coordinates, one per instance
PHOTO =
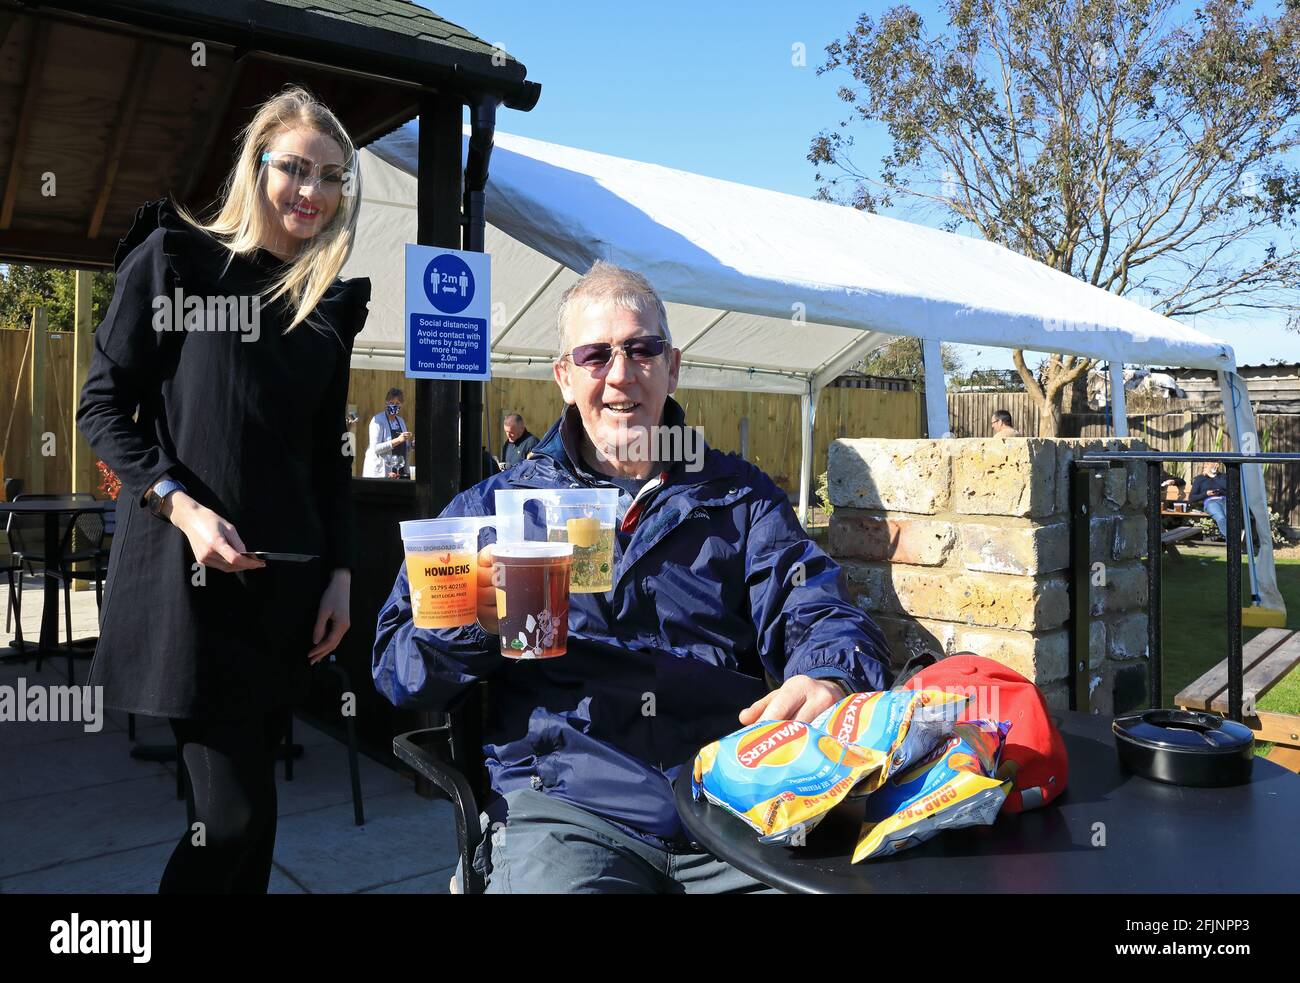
(532, 592)
(582, 517)
(442, 568)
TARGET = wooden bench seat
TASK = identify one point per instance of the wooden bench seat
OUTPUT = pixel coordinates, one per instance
(1265, 660)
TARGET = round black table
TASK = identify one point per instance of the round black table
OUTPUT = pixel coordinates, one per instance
(1109, 832)
(52, 509)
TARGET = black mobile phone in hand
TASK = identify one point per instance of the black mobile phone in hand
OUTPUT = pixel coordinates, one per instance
(289, 557)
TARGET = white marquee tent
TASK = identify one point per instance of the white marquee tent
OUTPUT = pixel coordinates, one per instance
(765, 291)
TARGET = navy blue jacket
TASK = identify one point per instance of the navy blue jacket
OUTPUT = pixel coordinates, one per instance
(716, 584)
(1208, 486)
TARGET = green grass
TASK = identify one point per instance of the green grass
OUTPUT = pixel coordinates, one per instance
(1194, 623)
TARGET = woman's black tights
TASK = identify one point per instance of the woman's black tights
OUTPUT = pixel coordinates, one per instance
(228, 846)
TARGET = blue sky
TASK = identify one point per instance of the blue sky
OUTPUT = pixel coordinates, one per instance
(711, 88)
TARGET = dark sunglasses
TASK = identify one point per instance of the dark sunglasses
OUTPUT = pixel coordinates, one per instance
(641, 349)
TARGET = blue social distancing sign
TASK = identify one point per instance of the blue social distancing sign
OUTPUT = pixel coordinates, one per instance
(448, 306)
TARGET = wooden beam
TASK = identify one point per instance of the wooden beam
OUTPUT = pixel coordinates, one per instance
(31, 90)
(438, 201)
(83, 327)
(36, 386)
(84, 475)
(52, 249)
(133, 94)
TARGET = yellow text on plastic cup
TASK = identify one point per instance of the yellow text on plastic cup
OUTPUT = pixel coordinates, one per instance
(441, 566)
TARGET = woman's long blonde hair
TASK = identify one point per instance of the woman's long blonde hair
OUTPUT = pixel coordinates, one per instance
(242, 224)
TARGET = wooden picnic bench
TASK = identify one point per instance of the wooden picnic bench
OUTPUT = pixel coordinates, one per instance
(1265, 659)
(1171, 537)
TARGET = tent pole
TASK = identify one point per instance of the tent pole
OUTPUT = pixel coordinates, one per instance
(1239, 417)
(936, 396)
(807, 420)
(1118, 400)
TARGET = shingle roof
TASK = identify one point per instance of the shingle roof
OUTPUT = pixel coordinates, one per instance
(401, 16)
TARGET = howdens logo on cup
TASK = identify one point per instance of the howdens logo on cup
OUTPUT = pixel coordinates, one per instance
(761, 748)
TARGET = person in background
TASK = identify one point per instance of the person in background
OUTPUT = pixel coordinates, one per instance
(518, 442)
(1001, 424)
(1210, 493)
(389, 440)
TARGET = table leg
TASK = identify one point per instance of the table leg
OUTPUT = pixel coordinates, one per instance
(50, 608)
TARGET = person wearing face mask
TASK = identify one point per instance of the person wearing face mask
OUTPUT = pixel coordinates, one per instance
(217, 392)
(389, 440)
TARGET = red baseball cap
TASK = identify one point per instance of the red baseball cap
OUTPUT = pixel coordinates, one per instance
(1034, 755)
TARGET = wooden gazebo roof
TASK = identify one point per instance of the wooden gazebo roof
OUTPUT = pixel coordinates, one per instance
(106, 105)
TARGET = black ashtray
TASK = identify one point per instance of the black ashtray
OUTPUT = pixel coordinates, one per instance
(1185, 747)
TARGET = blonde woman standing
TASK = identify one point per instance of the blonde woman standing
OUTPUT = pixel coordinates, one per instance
(229, 343)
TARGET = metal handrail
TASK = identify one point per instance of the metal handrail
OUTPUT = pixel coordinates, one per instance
(1081, 470)
(1223, 457)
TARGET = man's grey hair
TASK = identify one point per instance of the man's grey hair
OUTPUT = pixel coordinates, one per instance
(606, 283)
(514, 418)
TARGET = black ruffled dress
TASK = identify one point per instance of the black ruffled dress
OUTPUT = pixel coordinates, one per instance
(251, 421)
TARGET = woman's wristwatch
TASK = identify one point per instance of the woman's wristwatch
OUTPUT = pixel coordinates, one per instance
(159, 492)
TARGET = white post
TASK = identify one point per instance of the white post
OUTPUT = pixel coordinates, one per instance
(936, 394)
(1118, 402)
(807, 417)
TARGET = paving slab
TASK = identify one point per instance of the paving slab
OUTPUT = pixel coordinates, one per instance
(77, 813)
(75, 824)
(405, 836)
(85, 762)
(129, 872)
(436, 883)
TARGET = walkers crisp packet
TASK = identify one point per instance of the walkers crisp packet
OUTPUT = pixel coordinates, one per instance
(781, 776)
(904, 725)
(952, 788)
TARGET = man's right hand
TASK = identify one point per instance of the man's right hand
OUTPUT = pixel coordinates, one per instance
(487, 593)
(213, 540)
(400, 438)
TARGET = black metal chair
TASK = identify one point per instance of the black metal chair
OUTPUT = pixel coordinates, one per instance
(82, 545)
(450, 755)
(26, 534)
(13, 564)
(289, 750)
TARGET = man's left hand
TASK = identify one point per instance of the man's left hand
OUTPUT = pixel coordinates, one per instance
(799, 698)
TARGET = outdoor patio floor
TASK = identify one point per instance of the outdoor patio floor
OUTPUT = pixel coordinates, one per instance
(79, 814)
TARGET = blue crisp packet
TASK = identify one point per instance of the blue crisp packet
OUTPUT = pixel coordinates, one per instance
(953, 787)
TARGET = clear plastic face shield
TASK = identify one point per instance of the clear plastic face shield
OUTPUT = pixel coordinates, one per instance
(302, 174)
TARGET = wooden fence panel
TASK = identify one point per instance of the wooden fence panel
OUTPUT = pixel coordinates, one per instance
(969, 413)
(16, 411)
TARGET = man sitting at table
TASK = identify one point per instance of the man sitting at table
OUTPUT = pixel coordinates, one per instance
(715, 586)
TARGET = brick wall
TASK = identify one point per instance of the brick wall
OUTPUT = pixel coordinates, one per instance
(963, 545)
